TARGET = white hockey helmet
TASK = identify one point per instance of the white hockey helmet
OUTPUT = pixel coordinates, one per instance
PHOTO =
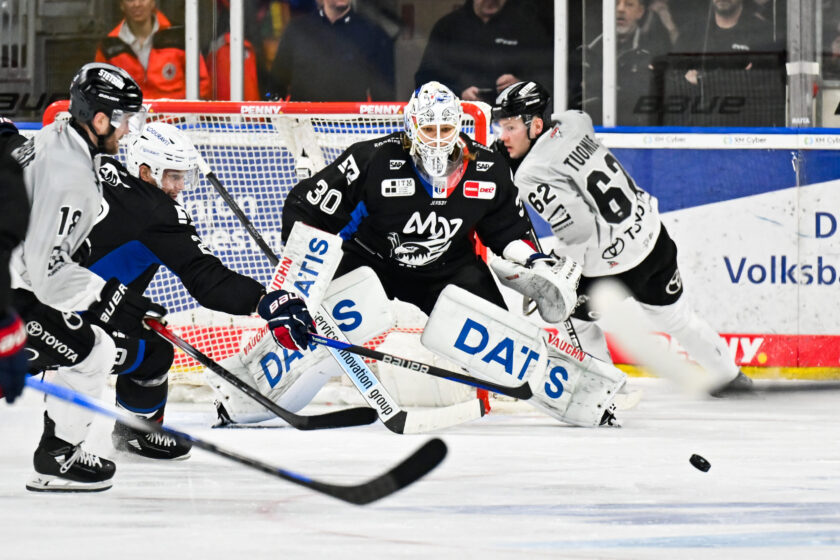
(161, 146)
(433, 124)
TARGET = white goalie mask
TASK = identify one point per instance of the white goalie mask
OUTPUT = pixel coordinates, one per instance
(433, 124)
(162, 147)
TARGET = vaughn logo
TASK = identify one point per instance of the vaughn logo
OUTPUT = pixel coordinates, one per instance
(396, 164)
(484, 190)
(482, 166)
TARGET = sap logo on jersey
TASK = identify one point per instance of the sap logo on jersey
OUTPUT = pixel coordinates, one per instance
(397, 187)
(474, 339)
(484, 190)
(482, 166)
(396, 164)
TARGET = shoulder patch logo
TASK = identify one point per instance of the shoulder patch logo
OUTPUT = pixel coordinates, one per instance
(397, 164)
(109, 175)
(484, 190)
(397, 187)
(481, 166)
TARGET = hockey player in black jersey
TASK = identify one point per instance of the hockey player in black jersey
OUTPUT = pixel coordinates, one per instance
(409, 205)
(599, 215)
(14, 216)
(142, 227)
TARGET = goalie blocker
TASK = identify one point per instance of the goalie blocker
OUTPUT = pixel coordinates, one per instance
(496, 345)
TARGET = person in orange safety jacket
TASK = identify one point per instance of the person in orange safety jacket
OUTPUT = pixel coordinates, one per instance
(152, 51)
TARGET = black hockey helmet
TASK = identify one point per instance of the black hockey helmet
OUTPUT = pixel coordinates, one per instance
(103, 88)
(522, 99)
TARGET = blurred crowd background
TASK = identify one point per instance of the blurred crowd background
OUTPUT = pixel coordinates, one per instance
(678, 62)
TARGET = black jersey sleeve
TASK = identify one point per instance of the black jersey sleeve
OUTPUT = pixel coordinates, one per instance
(506, 221)
(173, 238)
(14, 210)
(331, 199)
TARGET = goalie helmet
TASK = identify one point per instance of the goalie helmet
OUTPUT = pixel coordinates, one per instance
(523, 99)
(163, 147)
(102, 88)
(433, 126)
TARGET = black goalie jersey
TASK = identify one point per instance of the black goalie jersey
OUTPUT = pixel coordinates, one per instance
(374, 197)
(141, 228)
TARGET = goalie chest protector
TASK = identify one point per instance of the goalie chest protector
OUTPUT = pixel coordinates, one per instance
(373, 193)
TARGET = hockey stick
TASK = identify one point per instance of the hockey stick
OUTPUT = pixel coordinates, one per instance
(243, 219)
(408, 471)
(339, 419)
(519, 392)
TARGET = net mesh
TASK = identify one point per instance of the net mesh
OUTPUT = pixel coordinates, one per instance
(258, 158)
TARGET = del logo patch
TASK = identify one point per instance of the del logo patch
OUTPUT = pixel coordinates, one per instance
(398, 187)
(484, 190)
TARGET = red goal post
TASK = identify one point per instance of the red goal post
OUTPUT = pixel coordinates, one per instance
(258, 150)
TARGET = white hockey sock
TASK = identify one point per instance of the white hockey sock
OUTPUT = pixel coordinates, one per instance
(703, 344)
(87, 377)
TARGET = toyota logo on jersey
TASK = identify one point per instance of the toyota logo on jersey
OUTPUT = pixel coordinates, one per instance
(484, 190)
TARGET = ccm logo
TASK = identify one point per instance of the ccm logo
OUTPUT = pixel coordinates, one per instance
(484, 190)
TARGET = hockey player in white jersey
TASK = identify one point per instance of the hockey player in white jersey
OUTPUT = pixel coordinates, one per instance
(60, 171)
(603, 219)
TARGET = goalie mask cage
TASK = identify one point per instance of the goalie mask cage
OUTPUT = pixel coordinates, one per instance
(259, 151)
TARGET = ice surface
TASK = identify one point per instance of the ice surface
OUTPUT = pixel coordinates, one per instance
(513, 486)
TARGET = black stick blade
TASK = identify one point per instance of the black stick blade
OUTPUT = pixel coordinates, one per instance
(410, 470)
(359, 416)
(338, 419)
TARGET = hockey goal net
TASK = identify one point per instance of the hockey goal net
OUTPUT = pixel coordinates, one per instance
(259, 151)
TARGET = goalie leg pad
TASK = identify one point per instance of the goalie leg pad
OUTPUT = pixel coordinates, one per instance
(576, 391)
(498, 346)
(289, 378)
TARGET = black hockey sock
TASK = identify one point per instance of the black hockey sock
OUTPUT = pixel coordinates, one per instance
(146, 401)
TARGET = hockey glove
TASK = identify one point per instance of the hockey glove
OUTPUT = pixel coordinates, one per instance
(123, 309)
(13, 358)
(288, 319)
(551, 283)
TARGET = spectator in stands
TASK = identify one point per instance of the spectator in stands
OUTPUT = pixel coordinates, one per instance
(641, 42)
(485, 46)
(334, 54)
(219, 61)
(151, 50)
(727, 31)
(659, 15)
(730, 68)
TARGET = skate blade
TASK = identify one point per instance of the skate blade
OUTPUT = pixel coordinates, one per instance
(49, 483)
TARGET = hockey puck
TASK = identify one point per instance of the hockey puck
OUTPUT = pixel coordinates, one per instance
(700, 463)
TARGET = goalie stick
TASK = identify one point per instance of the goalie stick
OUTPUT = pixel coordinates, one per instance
(518, 392)
(339, 419)
(408, 471)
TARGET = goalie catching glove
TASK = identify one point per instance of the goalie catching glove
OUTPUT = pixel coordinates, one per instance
(288, 319)
(551, 283)
(123, 309)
